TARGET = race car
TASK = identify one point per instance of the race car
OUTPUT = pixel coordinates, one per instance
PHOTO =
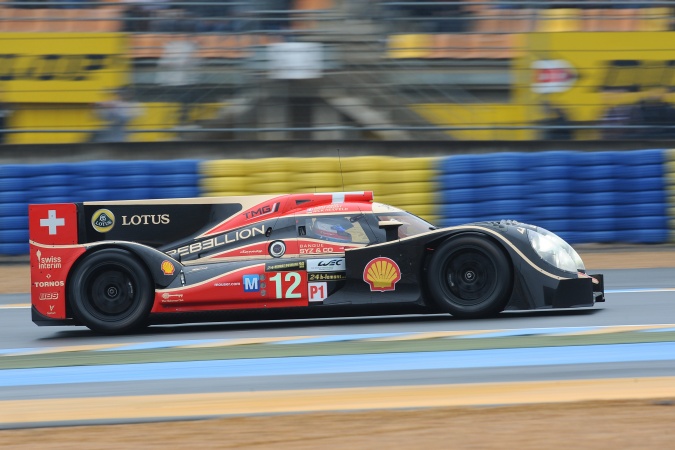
(117, 266)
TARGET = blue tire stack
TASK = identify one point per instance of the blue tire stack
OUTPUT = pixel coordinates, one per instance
(599, 197)
(483, 187)
(23, 184)
(642, 213)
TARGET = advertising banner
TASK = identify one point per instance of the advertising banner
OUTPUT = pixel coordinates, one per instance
(584, 74)
(62, 67)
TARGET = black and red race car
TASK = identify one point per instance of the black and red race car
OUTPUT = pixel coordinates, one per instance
(118, 266)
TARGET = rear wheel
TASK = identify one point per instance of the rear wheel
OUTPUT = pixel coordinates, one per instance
(470, 277)
(111, 291)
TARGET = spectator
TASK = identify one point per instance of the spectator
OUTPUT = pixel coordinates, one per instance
(179, 73)
(655, 115)
(616, 118)
(117, 113)
(556, 124)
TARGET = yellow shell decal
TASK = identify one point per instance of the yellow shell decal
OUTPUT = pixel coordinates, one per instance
(167, 267)
(382, 274)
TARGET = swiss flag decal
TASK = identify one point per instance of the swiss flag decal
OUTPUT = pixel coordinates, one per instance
(54, 224)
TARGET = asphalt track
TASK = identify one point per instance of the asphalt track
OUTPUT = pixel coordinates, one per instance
(630, 337)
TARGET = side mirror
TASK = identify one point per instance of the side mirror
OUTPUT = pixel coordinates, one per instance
(391, 228)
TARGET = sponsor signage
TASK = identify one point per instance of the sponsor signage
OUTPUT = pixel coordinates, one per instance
(327, 276)
(251, 283)
(62, 67)
(167, 267)
(317, 292)
(146, 219)
(217, 241)
(103, 220)
(47, 262)
(53, 225)
(326, 265)
(285, 267)
(552, 75)
(584, 74)
(382, 274)
(262, 211)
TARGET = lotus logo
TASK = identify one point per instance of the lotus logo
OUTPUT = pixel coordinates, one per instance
(103, 220)
(382, 274)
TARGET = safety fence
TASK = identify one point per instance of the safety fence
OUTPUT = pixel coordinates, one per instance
(585, 197)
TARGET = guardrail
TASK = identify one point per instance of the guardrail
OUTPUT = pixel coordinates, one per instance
(586, 197)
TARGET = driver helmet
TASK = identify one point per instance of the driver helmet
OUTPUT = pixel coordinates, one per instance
(331, 229)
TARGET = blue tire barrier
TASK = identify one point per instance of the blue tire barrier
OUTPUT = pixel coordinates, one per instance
(13, 209)
(178, 180)
(454, 165)
(498, 162)
(95, 195)
(501, 207)
(640, 197)
(14, 249)
(95, 169)
(459, 181)
(51, 191)
(645, 209)
(551, 172)
(596, 211)
(15, 196)
(458, 195)
(647, 171)
(592, 159)
(600, 198)
(458, 210)
(593, 224)
(55, 199)
(550, 212)
(173, 167)
(550, 186)
(643, 184)
(14, 184)
(554, 158)
(554, 199)
(131, 181)
(555, 226)
(51, 180)
(597, 172)
(175, 192)
(597, 185)
(16, 171)
(133, 194)
(94, 182)
(14, 223)
(643, 222)
(642, 157)
(14, 236)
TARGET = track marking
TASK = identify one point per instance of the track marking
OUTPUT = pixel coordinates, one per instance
(293, 401)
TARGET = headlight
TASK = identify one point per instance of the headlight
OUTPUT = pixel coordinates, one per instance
(552, 249)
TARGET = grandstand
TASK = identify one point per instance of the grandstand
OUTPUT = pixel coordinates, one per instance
(381, 69)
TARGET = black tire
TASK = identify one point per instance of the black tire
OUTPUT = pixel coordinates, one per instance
(470, 277)
(111, 292)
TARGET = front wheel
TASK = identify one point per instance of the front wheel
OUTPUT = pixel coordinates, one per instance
(470, 277)
(111, 292)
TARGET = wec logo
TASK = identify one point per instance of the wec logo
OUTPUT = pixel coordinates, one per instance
(325, 265)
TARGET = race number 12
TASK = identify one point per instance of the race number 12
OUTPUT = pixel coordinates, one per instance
(288, 288)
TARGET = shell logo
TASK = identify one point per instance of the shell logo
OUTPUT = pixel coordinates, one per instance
(167, 267)
(382, 274)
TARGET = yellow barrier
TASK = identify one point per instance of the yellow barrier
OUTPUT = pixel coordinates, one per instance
(404, 182)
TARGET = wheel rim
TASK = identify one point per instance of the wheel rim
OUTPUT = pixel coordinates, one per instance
(469, 277)
(110, 292)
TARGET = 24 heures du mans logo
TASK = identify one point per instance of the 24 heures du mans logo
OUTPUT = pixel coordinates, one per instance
(103, 220)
